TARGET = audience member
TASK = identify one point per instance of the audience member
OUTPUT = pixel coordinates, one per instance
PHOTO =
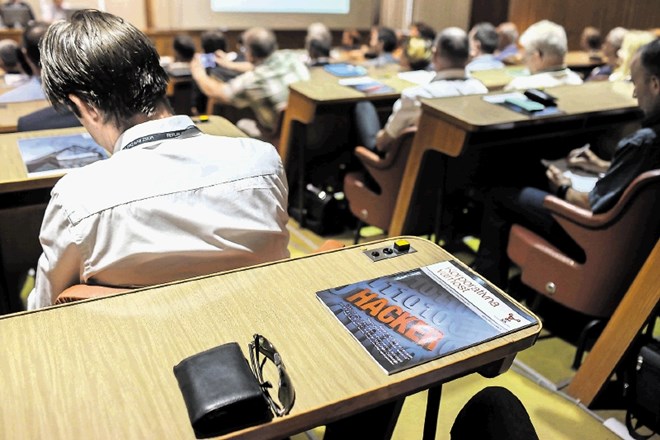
(610, 49)
(591, 42)
(265, 89)
(632, 41)
(30, 90)
(545, 47)
(416, 54)
(184, 48)
(483, 42)
(14, 74)
(382, 44)
(54, 10)
(171, 202)
(350, 49)
(450, 56)
(419, 29)
(318, 43)
(18, 4)
(634, 154)
(507, 47)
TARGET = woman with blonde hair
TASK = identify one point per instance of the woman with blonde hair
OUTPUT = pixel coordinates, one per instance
(632, 41)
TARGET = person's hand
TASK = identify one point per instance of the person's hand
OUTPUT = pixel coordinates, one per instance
(585, 159)
(197, 69)
(556, 178)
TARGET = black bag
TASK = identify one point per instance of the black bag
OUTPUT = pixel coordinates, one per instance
(643, 391)
(324, 210)
(220, 391)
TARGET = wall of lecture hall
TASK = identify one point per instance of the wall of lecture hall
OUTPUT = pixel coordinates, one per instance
(575, 15)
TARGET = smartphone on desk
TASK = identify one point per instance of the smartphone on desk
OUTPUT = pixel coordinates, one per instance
(527, 105)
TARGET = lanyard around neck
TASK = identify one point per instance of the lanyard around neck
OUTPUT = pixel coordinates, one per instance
(188, 131)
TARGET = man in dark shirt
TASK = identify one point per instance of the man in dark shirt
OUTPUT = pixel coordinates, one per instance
(634, 155)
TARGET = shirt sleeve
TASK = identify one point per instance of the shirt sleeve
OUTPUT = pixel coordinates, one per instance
(405, 112)
(60, 263)
(238, 87)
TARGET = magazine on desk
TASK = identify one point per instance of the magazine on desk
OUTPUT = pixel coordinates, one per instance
(409, 318)
(366, 85)
(55, 154)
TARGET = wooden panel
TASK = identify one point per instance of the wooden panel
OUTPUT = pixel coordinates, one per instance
(575, 16)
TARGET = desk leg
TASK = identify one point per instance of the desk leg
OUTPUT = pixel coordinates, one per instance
(432, 134)
(432, 410)
(634, 310)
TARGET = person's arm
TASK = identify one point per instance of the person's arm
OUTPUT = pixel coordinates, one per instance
(560, 185)
(223, 60)
(60, 263)
(383, 141)
(405, 113)
(211, 87)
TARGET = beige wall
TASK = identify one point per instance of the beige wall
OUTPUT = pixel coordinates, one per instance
(131, 10)
(437, 13)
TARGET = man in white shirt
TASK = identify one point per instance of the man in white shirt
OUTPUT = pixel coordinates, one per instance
(545, 48)
(450, 54)
(170, 202)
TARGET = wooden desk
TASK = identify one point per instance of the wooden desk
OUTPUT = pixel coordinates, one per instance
(103, 368)
(10, 112)
(453, 125)
(13, 174)
(324, 89)
(497, 79)
(581, 62)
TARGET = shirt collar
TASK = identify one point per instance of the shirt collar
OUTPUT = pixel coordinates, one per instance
(449, 74)
(172, 123)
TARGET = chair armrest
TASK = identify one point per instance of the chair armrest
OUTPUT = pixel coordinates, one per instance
(572, 213)
(371, 159)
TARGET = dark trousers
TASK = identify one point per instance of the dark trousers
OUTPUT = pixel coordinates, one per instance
(504, 207)
(367, 124)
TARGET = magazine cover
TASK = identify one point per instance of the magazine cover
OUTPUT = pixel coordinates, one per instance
(366, 85)
(412, 317)
(54, 154)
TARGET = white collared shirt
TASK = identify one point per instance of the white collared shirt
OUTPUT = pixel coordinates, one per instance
(545, 79)
(407, 110)
(163, 210)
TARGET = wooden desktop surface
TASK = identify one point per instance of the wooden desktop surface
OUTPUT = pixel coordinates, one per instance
(323, 88)
(13, 174)
(10, 112)
(452, 125)
(103, 368)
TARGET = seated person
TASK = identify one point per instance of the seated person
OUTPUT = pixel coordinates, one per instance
(483, 42)
(634, 155)
(17, 5)
(632, 41)
(184, 51)
(610, 49)
(419, 29)
(382, 44)
(31, 89)
(171, 202)
(450, 55)
(417, 54)
(351, 49)
(318, 43)
(545, 48)
(14, 74)
(265, 89)
(54, 10)
(507, 47)
(591, 42)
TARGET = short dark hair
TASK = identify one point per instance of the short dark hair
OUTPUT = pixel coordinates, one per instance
(318, 48)
(388, 37)
(649, 56)
(452, 44)
(213, 40)
(184, 46)
(425, 31)
(106, 62)
(486, 34)
(32, 36)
